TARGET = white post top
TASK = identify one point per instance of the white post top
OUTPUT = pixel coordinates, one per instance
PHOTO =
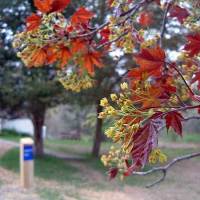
(26, 141)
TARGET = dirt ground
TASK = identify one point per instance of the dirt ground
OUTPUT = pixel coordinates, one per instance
(182, 183)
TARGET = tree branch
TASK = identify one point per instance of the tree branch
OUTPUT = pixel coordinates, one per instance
(182, 77)
(112, 41)
(192, 118)
(164, 23)
(164, 169)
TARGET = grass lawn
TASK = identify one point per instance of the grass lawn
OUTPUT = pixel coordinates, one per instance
(88, 173)
(73, 172)
(51, 168)
(187, 138)
(69, 147)
(47, 167)
(83, 147)
(11, 135)
(47, 194)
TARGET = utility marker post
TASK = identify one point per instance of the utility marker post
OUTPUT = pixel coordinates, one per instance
(26, 162)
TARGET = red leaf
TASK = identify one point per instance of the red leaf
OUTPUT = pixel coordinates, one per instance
(105, 33)
(81, 16)
(180, 13)
(48, 6)
(33, 22)
(173, 119)
(145, 139)
(151, 61)
(113, 173)
(157, 1)
(145, 18)
(59, 5)
(193, 46)
(151, 58)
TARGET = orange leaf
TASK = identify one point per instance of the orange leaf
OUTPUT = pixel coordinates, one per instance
(139, 72)
(33, 22)
(38, 58)
(145, 18)
(77, 46)
(47, 6)
(110, 2)
(65, 56)
(52, 55)
(90, 60)
(43, 5)
(81, 16)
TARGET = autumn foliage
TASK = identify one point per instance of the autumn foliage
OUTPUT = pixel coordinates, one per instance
(158, 91)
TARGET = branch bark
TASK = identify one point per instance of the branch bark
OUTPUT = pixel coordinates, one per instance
(163, 29)
(164, 169)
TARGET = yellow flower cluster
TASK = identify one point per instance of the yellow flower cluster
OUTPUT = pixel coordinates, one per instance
(82, 82)
(174, 100)
(189, 71)
(115, 158)
(43, 34)
(192, 23)
(121, 109)
(122, 3)
(157, 156)
(121, 100)
(182, 94)
(28, 43)
(121, 36)
(128, 43)
(182, 56)
(150, 42)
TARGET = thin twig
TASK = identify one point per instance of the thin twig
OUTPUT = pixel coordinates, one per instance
(164, 169)
(182, 77)
(112, 41)
(192, 118)
(92, 32)
(163, 29)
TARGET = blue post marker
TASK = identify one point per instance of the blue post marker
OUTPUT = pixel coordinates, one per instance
(26, 162)
(28, 152)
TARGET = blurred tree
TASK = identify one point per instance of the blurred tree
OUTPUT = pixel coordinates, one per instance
(161, 84)
(107, 78)
(24, 91)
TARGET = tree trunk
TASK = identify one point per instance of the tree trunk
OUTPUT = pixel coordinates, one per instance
(98, 134)
(38, 121)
